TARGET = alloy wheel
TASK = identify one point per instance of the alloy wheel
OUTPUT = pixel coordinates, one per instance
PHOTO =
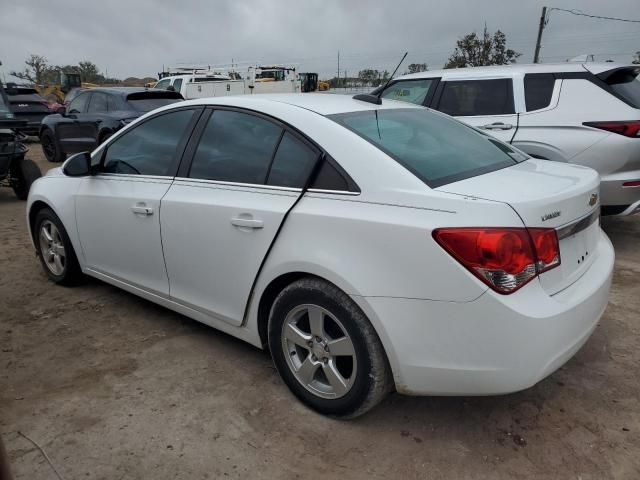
(319, 351)
(52, 248)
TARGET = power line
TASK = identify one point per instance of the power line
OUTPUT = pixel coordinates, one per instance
(582, 14)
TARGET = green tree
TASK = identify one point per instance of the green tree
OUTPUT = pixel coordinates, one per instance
(369, 76)
(89, 72)
(475, 51)
(35, 70)
(417, 67)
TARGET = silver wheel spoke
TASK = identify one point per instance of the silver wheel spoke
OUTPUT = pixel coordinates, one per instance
(341, 347)
(58, 263)
(338, 383)
(316, 321)
(307, 370)
(46, 234)
(59, 250)
(297, 336)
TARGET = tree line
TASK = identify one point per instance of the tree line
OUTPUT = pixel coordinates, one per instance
(37, 71)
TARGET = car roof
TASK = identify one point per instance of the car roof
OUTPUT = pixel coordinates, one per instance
(516, 68)
(321, 103)
(124, 91)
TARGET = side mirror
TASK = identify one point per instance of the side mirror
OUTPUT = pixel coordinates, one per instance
(78, 165)
(62, 111)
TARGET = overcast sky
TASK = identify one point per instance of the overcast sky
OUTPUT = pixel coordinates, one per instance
(138, 37)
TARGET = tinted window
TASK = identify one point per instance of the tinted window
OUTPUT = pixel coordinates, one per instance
(412, 91)
(98, 103)
(112, 103)
(79, 103)
(437, 149)
(477, 97)
(538, 89)
(293, 163)
(626, 84)
(235, 147)
(329, 178)
(147, 101)
(149, 149)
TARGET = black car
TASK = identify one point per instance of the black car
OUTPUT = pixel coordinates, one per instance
(27, 104)
(94, 115)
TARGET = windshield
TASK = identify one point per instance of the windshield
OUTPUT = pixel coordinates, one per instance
(434, 147)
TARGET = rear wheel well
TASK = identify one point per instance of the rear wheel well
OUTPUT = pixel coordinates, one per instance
(268, 297)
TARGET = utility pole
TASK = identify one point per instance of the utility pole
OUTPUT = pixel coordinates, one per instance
(536, 55)
(338, 68)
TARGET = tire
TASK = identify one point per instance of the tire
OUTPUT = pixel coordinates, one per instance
(51, 148)
(312, 369)
(25, 173)
(55, 242)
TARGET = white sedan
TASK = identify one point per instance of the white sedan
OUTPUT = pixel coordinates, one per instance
(369, 246)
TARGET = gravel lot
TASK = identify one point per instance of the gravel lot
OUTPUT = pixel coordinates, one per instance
(114, 387)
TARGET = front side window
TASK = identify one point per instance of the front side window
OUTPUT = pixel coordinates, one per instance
(148, 149)
(467, 98)
(98, 103)
(79, 103)
(163, 84)
(292, 163)
(435, 148)
(412, 91)
(235, 147)
(177, 85)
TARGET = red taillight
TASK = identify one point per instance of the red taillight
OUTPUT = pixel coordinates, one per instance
(503, 258)
(629, 128)
(635, 183)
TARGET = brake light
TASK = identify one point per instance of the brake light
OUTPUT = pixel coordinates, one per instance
(629, 128)
(634, 183)
(503, 258)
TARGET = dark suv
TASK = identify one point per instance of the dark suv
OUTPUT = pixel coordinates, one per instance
(94, 115)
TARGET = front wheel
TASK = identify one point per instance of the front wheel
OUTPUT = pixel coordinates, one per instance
(55, 249)
(50, 147)
(326, 350)
(25, 173)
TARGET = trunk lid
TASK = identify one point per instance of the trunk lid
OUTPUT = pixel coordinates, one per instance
(548, 195)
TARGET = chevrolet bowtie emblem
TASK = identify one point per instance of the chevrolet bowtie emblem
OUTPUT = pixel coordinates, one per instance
(593, 199)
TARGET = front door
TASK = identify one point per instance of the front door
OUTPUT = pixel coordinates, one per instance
(219, 220)
(487, 104)
(74, 131)
(118, 210)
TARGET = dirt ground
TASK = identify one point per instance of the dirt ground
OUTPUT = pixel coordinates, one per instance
(114, 387)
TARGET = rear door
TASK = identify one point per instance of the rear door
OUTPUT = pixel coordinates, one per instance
(485, 103)
(74, 132)
(223, 211)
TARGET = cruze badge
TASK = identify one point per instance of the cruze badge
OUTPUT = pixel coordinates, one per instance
(549, 216)
(593, 199)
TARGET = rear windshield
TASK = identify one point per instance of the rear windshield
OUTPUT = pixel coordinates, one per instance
(145, 102)
(437, 149)
(626, 84)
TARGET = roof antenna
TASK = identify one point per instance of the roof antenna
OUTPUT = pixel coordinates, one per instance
(376, 99)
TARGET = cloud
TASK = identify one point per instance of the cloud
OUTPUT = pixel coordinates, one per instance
(136, 38)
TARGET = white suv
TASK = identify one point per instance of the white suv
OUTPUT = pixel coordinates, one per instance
(587, 114)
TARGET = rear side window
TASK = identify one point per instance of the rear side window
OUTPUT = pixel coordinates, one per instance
(147, 101)
(538, 90)
(437, 149)
(149, 149)
(235, 147)
(412, 91)
(625, 83)
(292, 163)
(467, 98)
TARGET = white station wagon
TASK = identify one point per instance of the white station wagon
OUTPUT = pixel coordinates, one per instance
(587, 114)
(370, 245)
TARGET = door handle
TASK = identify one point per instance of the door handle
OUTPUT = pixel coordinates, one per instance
(247, 222)
(142, 210)
(497, 126)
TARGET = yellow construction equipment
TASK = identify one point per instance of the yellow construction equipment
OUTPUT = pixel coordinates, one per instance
(55, 93)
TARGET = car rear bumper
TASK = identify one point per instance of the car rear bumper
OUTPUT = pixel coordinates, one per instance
(616, 198)
(495, 344)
